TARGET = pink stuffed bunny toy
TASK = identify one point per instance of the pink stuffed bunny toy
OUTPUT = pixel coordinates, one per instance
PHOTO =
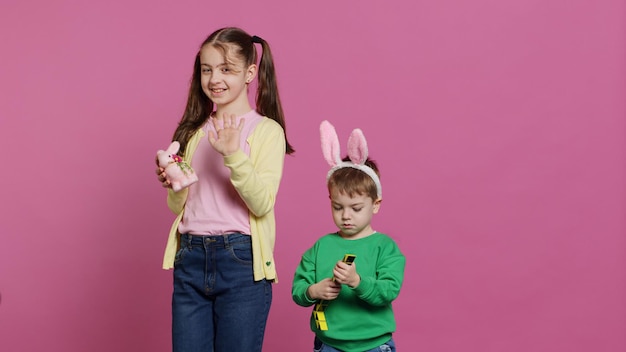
(177, 172)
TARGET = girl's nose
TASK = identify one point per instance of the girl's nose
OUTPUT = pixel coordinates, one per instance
(215, 77)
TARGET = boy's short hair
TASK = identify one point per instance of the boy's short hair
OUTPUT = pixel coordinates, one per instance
(353, 181)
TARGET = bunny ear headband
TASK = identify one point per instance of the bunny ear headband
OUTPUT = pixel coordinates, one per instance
(357, 152)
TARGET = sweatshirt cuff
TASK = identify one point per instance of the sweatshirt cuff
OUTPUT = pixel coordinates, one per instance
(364, 286)
(307, 298)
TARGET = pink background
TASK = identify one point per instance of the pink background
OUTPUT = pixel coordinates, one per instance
(498, 126)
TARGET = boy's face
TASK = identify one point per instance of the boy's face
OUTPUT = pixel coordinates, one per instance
(353, 215)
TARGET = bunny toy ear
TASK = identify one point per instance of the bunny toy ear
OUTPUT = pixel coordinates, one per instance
(173, 148)
(330, 143)
(357, 147)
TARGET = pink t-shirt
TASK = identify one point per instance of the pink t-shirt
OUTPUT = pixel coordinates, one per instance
(213, 205)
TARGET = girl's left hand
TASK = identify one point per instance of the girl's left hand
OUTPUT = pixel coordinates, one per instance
(161, 176)
(228, 134)
(346, 274)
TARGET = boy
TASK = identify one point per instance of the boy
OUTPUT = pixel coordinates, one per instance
(352, 301)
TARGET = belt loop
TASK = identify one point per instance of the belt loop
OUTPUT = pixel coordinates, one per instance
(226, 237)
(187, 239)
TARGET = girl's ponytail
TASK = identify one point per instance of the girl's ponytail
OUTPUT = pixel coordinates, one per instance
(267, 98)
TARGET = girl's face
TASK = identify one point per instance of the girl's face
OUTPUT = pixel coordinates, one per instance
(353, 215)
(225, 83)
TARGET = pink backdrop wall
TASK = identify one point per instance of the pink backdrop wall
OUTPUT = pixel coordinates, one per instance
(498, 126)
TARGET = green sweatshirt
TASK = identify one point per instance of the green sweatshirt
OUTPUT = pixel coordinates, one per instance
(360, 318)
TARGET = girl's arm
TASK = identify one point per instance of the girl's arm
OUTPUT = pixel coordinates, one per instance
(256, 178)
(176, 200)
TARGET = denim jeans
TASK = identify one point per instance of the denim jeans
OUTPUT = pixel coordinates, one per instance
(217, 306)
(319, 346)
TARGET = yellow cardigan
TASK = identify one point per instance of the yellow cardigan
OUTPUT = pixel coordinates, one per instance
(256, 179)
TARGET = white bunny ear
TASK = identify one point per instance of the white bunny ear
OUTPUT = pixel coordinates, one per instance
(357, 147)
(330, 143)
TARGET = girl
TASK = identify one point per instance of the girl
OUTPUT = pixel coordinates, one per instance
(221, 243)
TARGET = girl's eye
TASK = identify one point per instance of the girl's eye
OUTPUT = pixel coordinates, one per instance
(206, 70)
(337, 208)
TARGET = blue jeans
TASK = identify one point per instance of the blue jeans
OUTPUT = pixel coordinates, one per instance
(319, 346)
(217, 306)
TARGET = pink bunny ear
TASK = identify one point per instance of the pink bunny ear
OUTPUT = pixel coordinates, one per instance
(330, 143)
(357, 147)
(173, 148)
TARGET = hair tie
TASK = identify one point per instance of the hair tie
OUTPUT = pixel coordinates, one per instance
(256, 39)
(357, 152)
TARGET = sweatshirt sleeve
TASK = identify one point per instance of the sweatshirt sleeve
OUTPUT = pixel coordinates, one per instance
(385, 286)
(303, 278)
(176, 200)
(256, 178)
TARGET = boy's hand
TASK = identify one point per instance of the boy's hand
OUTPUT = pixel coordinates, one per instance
(326, 290)
(346, 274)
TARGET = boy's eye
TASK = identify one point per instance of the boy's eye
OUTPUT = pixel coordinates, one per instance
(337, 207)
(357, 209)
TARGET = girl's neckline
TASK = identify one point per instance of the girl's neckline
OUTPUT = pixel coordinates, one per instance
(213, 114)
(208, 125)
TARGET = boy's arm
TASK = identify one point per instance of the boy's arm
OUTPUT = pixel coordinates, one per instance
(385, 287)
(303, 278)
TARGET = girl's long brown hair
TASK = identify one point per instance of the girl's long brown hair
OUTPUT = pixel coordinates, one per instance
(232, 41)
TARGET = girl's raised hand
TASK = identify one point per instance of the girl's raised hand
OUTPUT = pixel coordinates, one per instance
(228, 134)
